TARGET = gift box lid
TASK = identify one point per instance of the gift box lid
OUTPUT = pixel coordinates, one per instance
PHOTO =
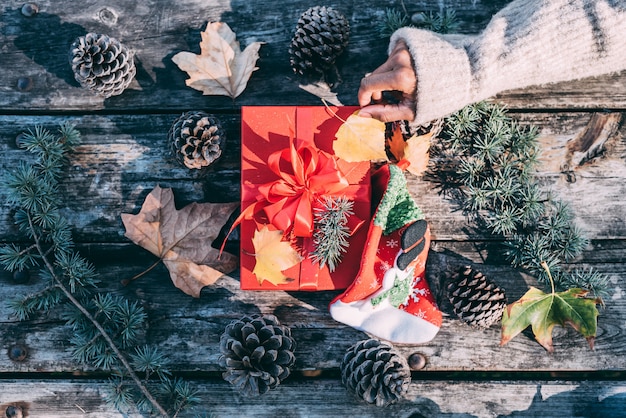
(268, 130)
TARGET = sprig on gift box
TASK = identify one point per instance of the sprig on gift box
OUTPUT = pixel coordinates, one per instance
(106, 329)
(331, 232)
(487, 163)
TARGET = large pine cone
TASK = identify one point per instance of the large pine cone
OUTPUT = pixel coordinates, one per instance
(321, 35)
(196, 139)
(257, 352)
(102, 64)
(376, 372)
(475, 299)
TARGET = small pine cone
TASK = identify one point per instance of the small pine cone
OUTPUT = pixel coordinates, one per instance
(257, 352)
(102, 64)
(196, 139)
(476, 300)
(376, 372)
(321, 35)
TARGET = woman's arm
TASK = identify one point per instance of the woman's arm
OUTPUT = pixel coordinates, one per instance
(529, 42)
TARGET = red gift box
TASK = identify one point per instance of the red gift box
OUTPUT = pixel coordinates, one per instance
(272, 138)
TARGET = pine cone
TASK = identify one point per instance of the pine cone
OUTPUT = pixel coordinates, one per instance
(196, 139)
(476, 300)
(257, 352)
(102, 64)
(376, 372)
(321, 35)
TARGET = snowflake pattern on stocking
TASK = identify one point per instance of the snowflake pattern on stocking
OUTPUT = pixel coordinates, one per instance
(392, 243)
(417, 292)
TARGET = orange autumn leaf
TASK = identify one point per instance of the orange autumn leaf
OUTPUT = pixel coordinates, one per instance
(364, 139)
(396, 143)
(221, 68)
(182, 238)
(414, 149)
(272, 256)
(416, 152)
(360, 139)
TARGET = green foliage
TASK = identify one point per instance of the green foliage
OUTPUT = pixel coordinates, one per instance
(542, 311)
(443, 21)
(178, 394)
(391, 22)
(104, 327)
(487, 162)
(331, 232)
(593, 281)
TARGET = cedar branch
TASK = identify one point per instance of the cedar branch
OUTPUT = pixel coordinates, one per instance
(144, 390)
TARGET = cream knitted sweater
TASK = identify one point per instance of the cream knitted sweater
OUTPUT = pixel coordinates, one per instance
(530, 42)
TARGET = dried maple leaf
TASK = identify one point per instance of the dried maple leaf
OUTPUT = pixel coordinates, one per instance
(221, 68)
(542, 311)
(360, 139)
(416, 152)
(272, 256)
(363, 139)
(182, 238)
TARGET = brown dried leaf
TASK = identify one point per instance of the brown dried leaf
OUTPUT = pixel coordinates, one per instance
(221, 68)
(182, 238)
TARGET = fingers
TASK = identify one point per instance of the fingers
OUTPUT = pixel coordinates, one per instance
(372, 87)
(400, 80)
(388, 112)
(395, 75)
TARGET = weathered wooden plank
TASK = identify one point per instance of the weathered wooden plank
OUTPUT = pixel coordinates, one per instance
(37, 47)
(124, 156)
(188, 329)
(327, 397)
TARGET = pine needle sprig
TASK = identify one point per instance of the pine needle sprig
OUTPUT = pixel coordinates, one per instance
(179, 394)
(103, 325)
(330, 231)
(393, 20)
(488, 162)
(121, 393)
(149, 360)
(589, 279)
(443, 21)
(25, 307)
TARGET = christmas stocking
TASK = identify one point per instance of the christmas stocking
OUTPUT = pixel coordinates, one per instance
(390, 298)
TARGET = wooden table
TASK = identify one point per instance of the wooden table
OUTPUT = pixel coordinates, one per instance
(123, 156)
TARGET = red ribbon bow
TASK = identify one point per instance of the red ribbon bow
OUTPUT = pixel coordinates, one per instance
(304, 174)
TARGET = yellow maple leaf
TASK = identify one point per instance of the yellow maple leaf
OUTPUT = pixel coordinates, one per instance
(360, 139)
(272, 256)
(221, 68)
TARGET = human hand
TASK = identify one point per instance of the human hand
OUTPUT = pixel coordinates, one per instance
(397, 76)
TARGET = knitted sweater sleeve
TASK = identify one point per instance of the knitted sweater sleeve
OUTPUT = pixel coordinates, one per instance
(529, 42)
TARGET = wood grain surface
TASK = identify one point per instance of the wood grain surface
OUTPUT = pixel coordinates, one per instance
(124, 155)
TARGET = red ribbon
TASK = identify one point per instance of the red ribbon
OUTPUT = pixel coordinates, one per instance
(304, 174)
